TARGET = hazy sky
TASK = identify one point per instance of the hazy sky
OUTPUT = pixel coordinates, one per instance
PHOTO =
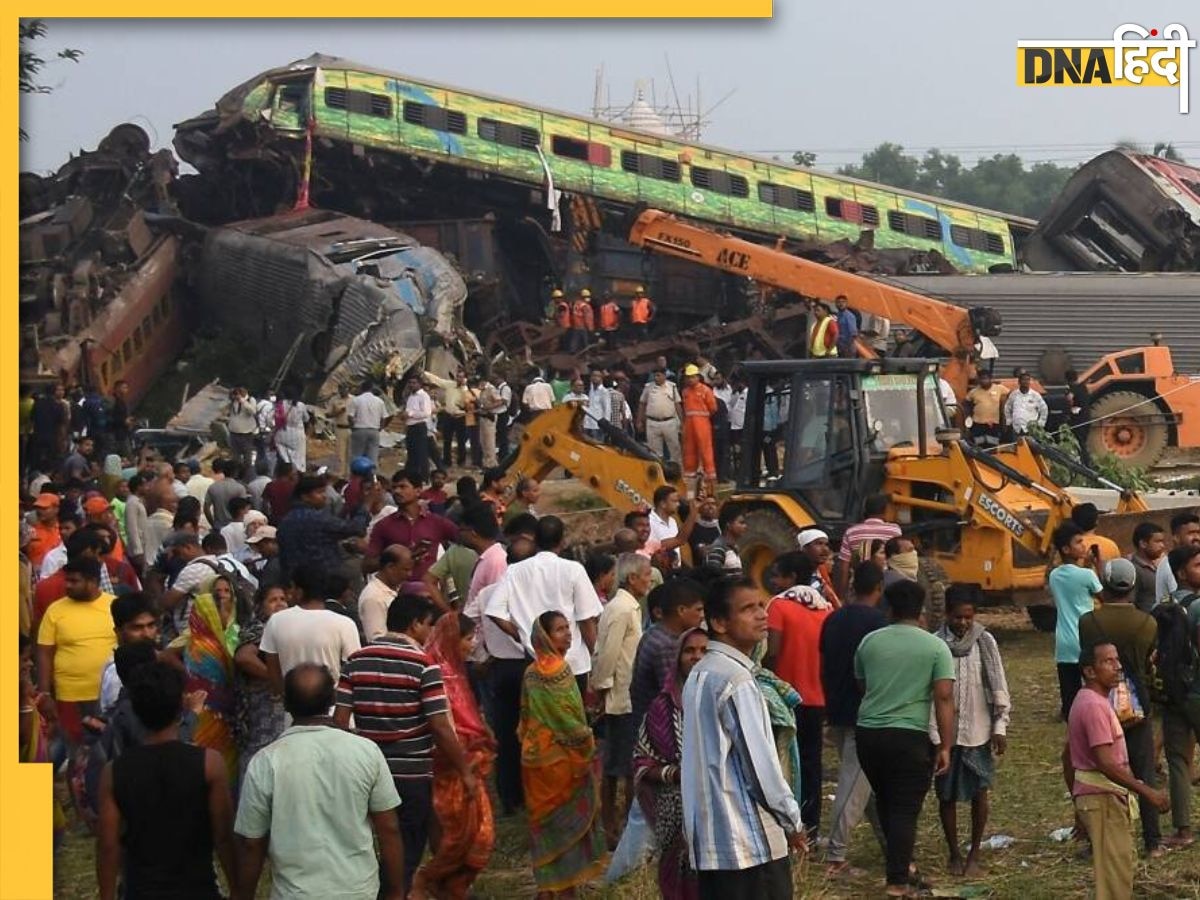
(833, 78)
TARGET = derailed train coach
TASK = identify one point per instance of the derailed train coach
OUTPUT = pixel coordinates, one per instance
(333, 298)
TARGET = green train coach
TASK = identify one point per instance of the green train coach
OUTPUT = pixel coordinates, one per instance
(524, 144)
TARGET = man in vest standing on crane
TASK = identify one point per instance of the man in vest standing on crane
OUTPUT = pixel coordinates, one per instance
(610, 320)
(699, 406)
(640, 313)
(561, 310)
(583, 321)
(822, 333)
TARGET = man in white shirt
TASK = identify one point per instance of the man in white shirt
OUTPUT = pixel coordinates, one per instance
(367, 413)
(1025, 406)
(418, 419)
(538, 396)
(545, 583)
(395, 568)
(660, 410)
(664, 526)
(736, 404)
(307, 632)
(599, 406)
(504, 389)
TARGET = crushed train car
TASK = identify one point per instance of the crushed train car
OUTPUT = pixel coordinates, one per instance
(330, 297)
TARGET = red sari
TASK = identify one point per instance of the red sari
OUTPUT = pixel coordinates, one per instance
(468, 832)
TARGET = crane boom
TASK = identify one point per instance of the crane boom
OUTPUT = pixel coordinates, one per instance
(954, 329)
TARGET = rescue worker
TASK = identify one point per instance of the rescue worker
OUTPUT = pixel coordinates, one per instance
(562, 317)
(583, 321)
(699, 406)
(822, 333)
(610, 320)
(640, 313)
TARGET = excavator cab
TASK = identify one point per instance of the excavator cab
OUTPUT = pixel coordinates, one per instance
(817, 438)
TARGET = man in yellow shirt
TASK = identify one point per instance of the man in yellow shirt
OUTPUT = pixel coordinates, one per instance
(985, 406)
(75, 641)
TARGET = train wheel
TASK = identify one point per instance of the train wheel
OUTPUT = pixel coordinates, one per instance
(769, 534)
(1122, 430)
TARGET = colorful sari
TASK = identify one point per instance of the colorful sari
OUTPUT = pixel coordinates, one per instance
(660, 743)
(467, 829)
(208, 646)
(558, 771)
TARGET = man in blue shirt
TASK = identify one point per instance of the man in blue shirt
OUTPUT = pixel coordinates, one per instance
(847, 328)
(1074, 586)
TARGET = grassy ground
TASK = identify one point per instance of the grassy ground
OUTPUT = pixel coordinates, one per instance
(1028, 802)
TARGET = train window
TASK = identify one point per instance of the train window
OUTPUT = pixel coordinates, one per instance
(584, 151)
(116, 364)
(914, 225)
(164, 304)
(508, 134)
(977, 239)
(146, 327)
(720, 182)
(362, 102)
(650, 166)
(156, 314)
(127, 349)
(851, 211)
(786, 197)
(137, 340)
(437, 118)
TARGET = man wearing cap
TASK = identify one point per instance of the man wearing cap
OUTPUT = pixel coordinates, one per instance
(822, 333)
(640, 313)
(263, 557)
(660, 410)
(1134, 634)
(699, 406)
(45, 529)
(815, 544)
(610, 320)
(583, 321)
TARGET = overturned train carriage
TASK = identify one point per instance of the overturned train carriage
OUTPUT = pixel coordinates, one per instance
(334, 299)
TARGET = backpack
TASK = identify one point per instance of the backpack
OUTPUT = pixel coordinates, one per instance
(243, 590)
(1176, 661)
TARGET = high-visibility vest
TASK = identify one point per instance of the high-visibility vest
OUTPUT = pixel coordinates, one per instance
(581, 315)
(640, 313)
(610, 316)
(562, 314)
(817, 345)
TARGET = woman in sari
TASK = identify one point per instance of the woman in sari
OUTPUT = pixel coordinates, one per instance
(260, 716)
(207, 647)
(463, 840)
(656, 762)
(558, 769)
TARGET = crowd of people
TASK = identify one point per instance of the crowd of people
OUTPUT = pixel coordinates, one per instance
(352, 679)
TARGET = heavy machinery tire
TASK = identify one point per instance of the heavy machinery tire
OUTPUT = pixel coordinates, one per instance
(768, 534)
(1132, 442)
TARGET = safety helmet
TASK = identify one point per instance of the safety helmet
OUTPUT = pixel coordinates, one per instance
(639, 290)
(585, 293)
(556, 293)
(692, 369)
(361, 465)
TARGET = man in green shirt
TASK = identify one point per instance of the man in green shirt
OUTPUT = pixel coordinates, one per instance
(452, 570)
(903, 671)
(311, 801)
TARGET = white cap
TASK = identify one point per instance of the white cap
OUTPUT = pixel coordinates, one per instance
(808, 535)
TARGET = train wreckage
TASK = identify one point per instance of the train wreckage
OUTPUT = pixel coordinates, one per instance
(344, 221)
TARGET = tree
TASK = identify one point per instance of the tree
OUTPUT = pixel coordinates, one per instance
(32, 64)
(888, 164)
(804, 158)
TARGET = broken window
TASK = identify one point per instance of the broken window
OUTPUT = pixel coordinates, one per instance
(977, 239)
(436, 118)
(851, 211)
(508, 134)
(786, 197)
(584, 151)
(650, 166)
(364, 103)
(914, 225)
(720, 182)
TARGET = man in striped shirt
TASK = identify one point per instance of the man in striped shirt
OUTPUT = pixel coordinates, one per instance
(396, 695)
(739, 815)
(859, 538)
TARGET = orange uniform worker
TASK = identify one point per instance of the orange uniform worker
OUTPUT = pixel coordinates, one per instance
(699, 406)
(641, 312)
(610, 318)
(583, 321)
(562, 309)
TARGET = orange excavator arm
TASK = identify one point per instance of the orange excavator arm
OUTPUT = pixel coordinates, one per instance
(948, 326)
